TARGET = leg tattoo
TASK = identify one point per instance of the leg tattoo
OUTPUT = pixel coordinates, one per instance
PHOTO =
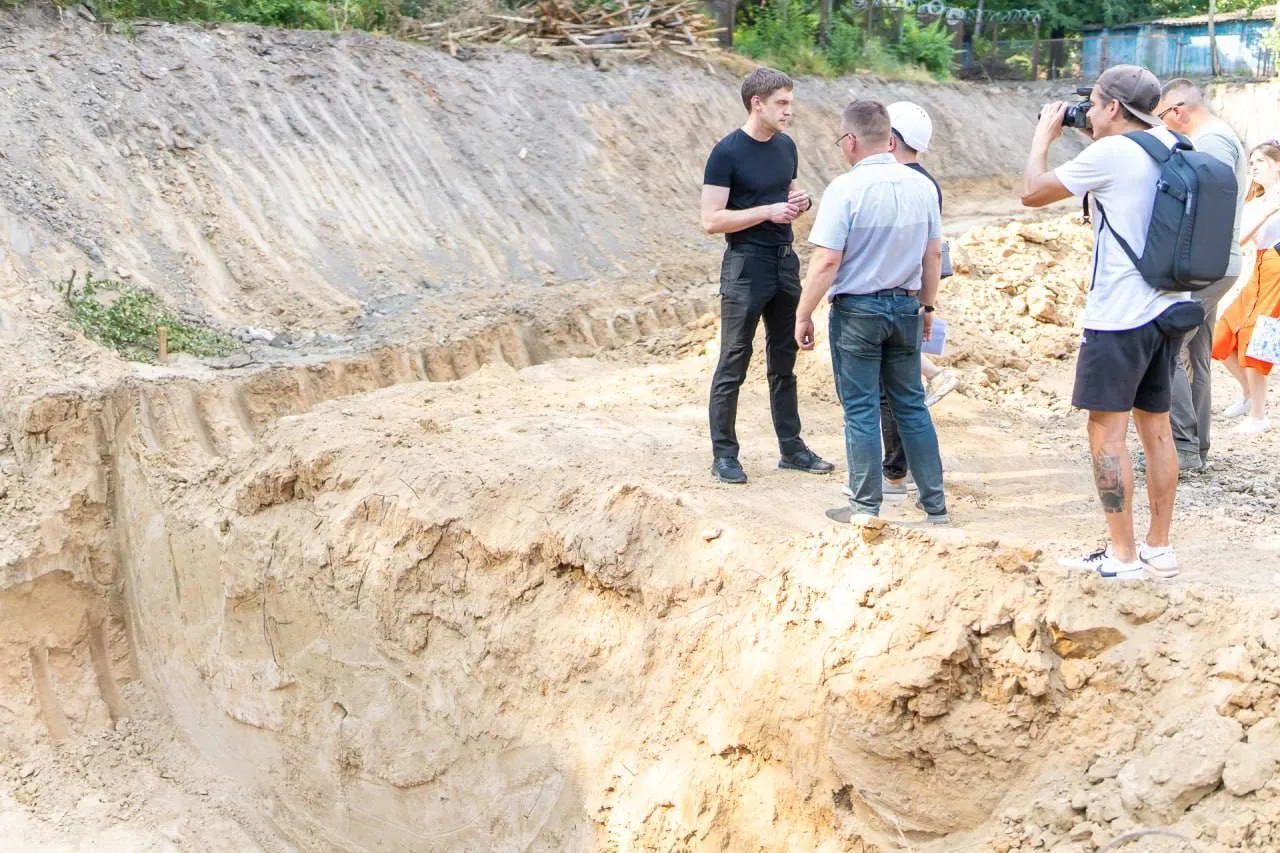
(1107, 477)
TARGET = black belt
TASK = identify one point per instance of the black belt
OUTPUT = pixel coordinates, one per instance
(782, 251)
(892, 291)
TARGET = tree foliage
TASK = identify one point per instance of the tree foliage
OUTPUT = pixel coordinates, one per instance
(1069, 16)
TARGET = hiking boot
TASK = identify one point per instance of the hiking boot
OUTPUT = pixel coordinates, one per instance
(1160, 562)
(806, 460)
(940, 386)
(1189, 460)
(1106, 566)
(727, 470)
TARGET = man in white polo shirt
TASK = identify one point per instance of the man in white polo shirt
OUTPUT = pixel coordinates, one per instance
(1126, 362)
(877, 258)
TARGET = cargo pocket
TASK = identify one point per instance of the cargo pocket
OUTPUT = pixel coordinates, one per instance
(789, 274)
(731, 281)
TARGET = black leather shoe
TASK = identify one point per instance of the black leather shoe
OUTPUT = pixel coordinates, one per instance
(727, 470)
(806, 460)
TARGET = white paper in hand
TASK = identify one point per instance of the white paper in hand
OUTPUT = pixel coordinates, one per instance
(937, 339)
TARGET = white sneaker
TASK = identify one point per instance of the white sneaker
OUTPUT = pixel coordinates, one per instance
(1160, 562)
(1106, 566)
(940, 386)
(889, 491)
(1252, 426)
(1238, 409)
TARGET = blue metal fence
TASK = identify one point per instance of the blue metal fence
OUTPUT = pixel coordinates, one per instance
(1182, 51)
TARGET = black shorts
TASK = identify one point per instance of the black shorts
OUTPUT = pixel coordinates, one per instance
(1119, 371)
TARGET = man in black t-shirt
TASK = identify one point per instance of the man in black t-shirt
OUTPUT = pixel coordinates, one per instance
(749, 194)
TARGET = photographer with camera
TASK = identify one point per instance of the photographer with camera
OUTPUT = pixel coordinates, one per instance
(1126, 360)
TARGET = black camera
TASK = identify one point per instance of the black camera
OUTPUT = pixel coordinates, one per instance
(1077, 114)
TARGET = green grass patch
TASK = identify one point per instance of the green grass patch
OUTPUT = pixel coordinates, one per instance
(127, 319)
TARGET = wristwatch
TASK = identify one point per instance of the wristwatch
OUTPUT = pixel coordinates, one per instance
(928, 309)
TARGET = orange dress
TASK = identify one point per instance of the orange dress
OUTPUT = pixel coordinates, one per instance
(1261, 296)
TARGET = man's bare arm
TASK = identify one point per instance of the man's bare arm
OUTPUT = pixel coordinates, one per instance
(931, 278)
(1040, 186)
(717, 219)
(932, 272)
(823, 265)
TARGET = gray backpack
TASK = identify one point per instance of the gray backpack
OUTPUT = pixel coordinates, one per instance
(1192, 220)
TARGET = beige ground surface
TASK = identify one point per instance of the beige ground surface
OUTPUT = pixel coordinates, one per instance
(460, 579)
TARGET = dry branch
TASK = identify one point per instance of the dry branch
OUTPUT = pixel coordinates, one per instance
(566, 27)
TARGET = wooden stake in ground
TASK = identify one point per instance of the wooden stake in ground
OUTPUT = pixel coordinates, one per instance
(162, 334)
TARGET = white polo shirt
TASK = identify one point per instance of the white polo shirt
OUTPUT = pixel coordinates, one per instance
(881, 215)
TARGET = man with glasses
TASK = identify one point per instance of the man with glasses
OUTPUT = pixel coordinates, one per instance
(1183, 109)
(877, 259)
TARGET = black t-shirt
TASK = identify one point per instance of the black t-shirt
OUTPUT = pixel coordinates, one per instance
(936, 185)
(756, 173)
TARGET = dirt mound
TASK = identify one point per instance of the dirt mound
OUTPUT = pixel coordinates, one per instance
(402, 637)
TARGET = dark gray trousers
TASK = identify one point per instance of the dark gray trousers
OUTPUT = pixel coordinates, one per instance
(1192, 411)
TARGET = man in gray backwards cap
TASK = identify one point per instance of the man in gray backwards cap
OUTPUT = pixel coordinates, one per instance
(1126, 363)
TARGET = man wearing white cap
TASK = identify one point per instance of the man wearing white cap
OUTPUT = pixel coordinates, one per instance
(1126, 361)
(911, 130)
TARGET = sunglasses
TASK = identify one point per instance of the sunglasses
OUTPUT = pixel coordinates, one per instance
(1160, 115)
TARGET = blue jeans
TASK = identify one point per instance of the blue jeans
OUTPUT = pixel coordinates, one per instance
(875, 343)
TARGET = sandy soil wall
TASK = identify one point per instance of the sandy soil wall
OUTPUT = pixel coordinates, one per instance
(301, 180)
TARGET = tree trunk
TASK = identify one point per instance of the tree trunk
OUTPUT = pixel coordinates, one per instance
(725, 12)
(824, 25)
(1213, 42)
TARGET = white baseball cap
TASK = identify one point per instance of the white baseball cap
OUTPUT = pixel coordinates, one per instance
(912, 123)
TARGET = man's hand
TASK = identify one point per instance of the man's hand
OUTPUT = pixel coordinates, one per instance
(928, 326)
(1040, 185)
(800, 199)
(1049, 127)
(783, 213)
(804, 332)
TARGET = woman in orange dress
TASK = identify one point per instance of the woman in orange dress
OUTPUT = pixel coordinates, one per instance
(1260, 225)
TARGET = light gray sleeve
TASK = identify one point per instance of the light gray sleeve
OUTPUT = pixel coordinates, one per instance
(1219, 147)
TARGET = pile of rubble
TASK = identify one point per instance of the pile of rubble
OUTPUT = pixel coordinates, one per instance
(1014, 301)
(567, 27)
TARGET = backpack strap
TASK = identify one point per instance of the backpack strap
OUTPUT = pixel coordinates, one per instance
(1157, 149)
(1159, 152)
(1137, 264)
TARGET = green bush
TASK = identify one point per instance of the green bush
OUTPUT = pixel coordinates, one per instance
(379, 15)
(783, 33)
(126, 319)
(1271, 40)
(928, 47)
(845, 46)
